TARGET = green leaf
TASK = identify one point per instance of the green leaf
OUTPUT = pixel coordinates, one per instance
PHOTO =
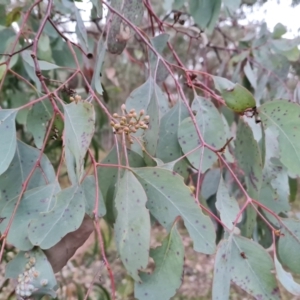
(89, 190)
(293, 184)
(44, 43)
(166, 203)
(249, 72)
(253, 272)
(279, 30)
(168, 147)
(205, 12)
(226, 205)
(210, 183)
(41, 279)
(159, 72)
(96, 80)
(236, 96)
(284, 116)
(289, 244)
(140, 97)
(13, 16)
(107, 176)
(132, 227)
(167, 276)
(66, 216)
(81, 30)
(33, 202)
(8, 137)
(221, 281)
(286, 279)
(31, 73)
(24, 160)
(211, 126)
(79, 131)
(275, 187)
(44, 65)
(151, 134)
(249, 158)
(232, 5)
(37, 121)
(98, 5)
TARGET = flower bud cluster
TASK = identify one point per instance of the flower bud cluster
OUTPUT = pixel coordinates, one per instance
(75, 99)
(129, 122)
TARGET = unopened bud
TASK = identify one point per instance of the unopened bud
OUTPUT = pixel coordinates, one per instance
(142, 112)
(146, 118)
(72, 99)
(132, 110)
(115, 115)
(123, 107)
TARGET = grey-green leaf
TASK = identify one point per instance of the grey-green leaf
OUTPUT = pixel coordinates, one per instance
(24, 160)
(204, 12)
(89, 190)
(166, 203)
(66, 216)
(157, 68)
(285, 116)
(40, 275)
(212, 129)
(226, 205)
(251, 269)
(286, 279)
(166, 278)
(249, 158)
(132, 227)
(96, 80)
(79, 131)
(8, 137)
(221, 282)
(168, 148)
(33, 202)
(289, 244)
(37, 121)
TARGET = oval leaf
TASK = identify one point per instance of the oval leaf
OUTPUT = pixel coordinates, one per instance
(8, 137)
(132, 227)
(79, 131)
(66, 216)
(167, 276)
(166, 203)
(285, 116)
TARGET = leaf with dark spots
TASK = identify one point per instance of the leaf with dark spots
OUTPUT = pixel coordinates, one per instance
(24, 160)
(289, 244)
(37, 121)
(134, 220)
(66, 216)
(79, 131)
(221, 281)
(284, 116)
(8, 137)
(179, 202)
(215, 135)
(34, 202)
(249, 158)
(167, 276)
(251, 269)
